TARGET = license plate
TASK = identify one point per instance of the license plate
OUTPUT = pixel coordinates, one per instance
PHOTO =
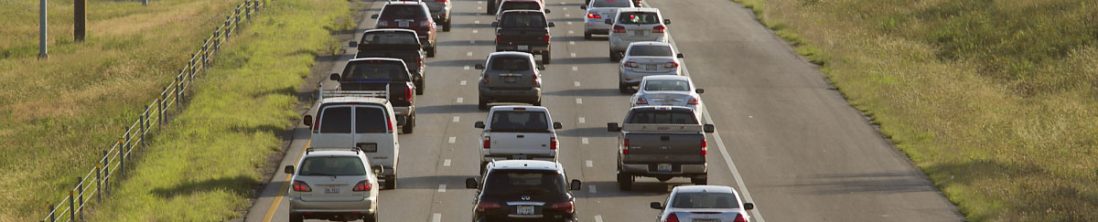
(331, 190)
(518, 157)
(638, 33)
(403, 24)
(650, 67)
(523, 47)
(663, 167)
(525, 210)
(509, 79)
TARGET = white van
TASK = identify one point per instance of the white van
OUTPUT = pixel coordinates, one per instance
(357, 119)
(518, 132)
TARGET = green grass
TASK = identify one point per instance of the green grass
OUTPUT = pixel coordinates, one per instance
(206, 165)
(994, 100)
(58, 115)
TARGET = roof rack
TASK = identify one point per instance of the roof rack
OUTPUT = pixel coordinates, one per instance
(311, 149)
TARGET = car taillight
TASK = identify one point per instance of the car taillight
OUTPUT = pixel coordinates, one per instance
(424, 23)
(625, 146)
(499, 39)
(692, 101)
(362, 186)
(408, 92)
(592, 15)
(534, 80)
(485, 80)
(631, 64)
(672, 218)
(642, 101)
(487, 142)
(484, 206)
(553, 143)
(300, 186)
(546, 38)
(567, 207)
(740, 218)
(659, 29)
(704, 147)
(619, 29)
(671, 65)
(443, 1)
(389, 124)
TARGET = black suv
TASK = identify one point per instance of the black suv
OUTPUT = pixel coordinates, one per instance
(395, 43)
(524, 190)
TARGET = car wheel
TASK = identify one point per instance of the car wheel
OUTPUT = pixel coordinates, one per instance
(421, 85)
(391, 181)
(483, 167)
(482, 104)
(623, 88)
(409, 125)
(296, 217)
(699, 180)
(587, 35)
(371, 218)
(663, 178)
(446, 26)
(546, 58)
(625, 181)
(431, 51)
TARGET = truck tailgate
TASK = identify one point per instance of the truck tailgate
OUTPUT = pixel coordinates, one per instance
(664, 147)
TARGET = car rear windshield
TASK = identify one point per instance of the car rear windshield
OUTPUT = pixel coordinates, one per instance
(391, 12)
(510, 63)
(650, 50)
(613, 3)
(376, 70)
(653, 116)
(503, 182)
(700, 200)
(666, 85)
(519, 121)
(336, 120)
(638, 18)
(332, 166)
(522, 20)
(520, 5)
(371, 120)
(390, 38)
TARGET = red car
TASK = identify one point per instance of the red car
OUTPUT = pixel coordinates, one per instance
(410, 15)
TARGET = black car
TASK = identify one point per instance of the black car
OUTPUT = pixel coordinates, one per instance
(524, 190)
(524, 31)
(395, 43)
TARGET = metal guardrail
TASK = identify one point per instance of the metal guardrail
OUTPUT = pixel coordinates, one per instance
(97, 182)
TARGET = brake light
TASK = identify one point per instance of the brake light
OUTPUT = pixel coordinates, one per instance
(553, 143)
(619, 29)
(631, 64)
(642, 101)
(545, 38)
(389, 124)
(487, 142)
(671, 65)
(408, 92)
(659, 29)
(704, 147)
(425, 23)
(499, 39)
(300, 186)
(692, 101)
(625, 146)
(740, 218)
(593, 15)
(484, 206)
(443, 1)
(672, 218)
(566, 207)
(534, 80)
(362, 186)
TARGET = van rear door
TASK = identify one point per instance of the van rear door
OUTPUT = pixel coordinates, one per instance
(334, 129)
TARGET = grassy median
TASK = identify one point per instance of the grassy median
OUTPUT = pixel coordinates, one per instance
(994, 100)
(207, 164)
(59, 115)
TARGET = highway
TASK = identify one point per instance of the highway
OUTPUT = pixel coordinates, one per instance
(785, 138)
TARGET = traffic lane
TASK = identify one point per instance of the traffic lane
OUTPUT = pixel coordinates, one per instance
(804, 149)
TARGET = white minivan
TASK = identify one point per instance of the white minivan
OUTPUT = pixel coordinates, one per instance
(360, 121)
(518, 132)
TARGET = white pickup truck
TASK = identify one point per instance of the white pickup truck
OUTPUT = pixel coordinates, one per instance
(362, 119)
(518, 132)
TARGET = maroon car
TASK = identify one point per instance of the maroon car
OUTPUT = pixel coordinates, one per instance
(410, 15)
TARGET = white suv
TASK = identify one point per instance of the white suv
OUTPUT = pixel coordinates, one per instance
(333, 184)
(635, 25)
(518, 132)
(357, 119)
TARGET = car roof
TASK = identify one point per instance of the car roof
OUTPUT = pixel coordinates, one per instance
(666, 77)
(510, 53)
(403, 3)
(528, 108)
(660, 108)
(390, 30)
(650, 43)
(523, 11)
(635, 9)
(704, 188)
(524, 164)
(375, 58)
(538, 1)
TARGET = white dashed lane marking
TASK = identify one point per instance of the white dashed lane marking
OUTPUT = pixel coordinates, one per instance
(457, 119)
(463, 82)
(579, 101)
(585, 140)
(573, 55)
(451, 140)
(575, 68)
(442, 188)
(475, 31)
(571, 32)
(476, 22)
(460, 100)
(446, 162)
(465, 68)
(569, 23)
(438, 218)
(576, 83)
(582, 120)
(571, 42)
(468, 53)
(598, 218)
(589, 163)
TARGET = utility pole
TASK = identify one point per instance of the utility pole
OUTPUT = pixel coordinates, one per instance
(42, 32)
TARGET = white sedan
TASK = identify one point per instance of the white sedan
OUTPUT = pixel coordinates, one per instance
(704, 204)
(668, 90)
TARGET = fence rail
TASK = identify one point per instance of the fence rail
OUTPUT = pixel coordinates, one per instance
(98, 181)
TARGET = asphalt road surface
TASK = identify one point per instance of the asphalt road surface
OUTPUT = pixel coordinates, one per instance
(786, 140)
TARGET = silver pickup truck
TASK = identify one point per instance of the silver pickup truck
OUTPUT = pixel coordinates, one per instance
(661, 142)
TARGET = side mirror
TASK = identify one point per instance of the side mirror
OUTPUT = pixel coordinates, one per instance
(612, 127)
(667, 21)
(656, 205)
(541, 67)
(557, 125)
(374, 16)
(584, 7)
(479, 124)
(479, 66)
(699, 91)
(495, 24)
(575, 185)
(307, 120)
(749, 206)
(352, 44)
(709, 128)
(547, 11)
(608, 22)
(334, 77)
(471, 183)
(288, 170)
(680, 55)
(552, 25)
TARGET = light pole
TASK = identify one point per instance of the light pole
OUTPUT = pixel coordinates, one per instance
(42, 32)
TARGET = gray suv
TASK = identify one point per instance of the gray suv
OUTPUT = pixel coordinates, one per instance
(509, 77)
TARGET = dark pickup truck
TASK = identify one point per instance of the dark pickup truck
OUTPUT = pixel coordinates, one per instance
(524, 31)
(661, 142)
(371, 74)
(396, 43)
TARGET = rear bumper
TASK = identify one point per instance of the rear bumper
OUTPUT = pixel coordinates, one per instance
(596, 27)
(646, 169)
(489, 157)
(533, 49)
(634, 78)
(619, 44)
(527, 95)
(366, 206)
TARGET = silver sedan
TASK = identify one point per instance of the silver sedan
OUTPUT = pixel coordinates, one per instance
(703, 203)
(669, 91)
(647, 59)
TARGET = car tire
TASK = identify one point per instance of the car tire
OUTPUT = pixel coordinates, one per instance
(431, 51)
(296, 217)
(391, 182)
(615, 56)
(421, 86)
(546, 58)
(623, 88)
(409, 125)
(446, 26)
(483, 168)
(625, 181)
(699, 180)
(371, 218)
(587, 35)
(482, 104)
